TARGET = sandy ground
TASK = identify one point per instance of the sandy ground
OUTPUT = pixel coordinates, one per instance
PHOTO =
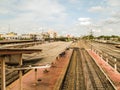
(49, 51)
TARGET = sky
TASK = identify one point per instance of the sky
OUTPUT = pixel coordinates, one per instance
(73, 17)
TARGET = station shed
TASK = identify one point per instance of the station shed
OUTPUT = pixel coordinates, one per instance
(16, 51)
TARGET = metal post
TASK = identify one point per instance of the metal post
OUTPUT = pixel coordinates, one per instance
(101, 56)
(115, 65)
(86, 80)
(107, 60)
(3, 84)
(94, 50)
(20, 73)
(36, 76)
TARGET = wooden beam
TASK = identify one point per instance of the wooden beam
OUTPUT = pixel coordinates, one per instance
(9, 51)
(15, 41)
(29, 67)
(20, 73)
(3, 84)
(3, 53)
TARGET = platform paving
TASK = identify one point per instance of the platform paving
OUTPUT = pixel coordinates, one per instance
(112, 74)
(45, 81)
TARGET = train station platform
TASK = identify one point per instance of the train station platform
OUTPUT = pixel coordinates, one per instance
(46, 79)
(110, 71)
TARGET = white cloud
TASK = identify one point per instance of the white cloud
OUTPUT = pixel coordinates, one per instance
(110, 29)
(26, 15)
(116, 15)
(73, 1)
(110, 26)
(34, 9)
(113, 2)
(96, 31)
(44, 7)
(4, 11)
(113, 19)
(29, 12)
(110, 18)
(84, 21)
(96, 9)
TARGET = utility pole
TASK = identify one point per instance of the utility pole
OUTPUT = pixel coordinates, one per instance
(8, 27)
(91, 35)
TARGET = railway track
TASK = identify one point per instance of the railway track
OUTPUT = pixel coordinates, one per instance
(97, 78)
(111, 60)
(74, 78)
(84, 74)
(110, 51)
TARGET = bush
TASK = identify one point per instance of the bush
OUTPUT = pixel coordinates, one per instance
(1, 38)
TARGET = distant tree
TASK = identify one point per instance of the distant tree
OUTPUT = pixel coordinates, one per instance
(1, 38)
(91, 36)
(118, 38)
(88, 37)
(104, 37)
(114, 36)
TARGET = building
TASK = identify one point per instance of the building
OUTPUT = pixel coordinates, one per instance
(10, 36)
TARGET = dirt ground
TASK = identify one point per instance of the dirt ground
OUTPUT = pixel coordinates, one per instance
(49, 51)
